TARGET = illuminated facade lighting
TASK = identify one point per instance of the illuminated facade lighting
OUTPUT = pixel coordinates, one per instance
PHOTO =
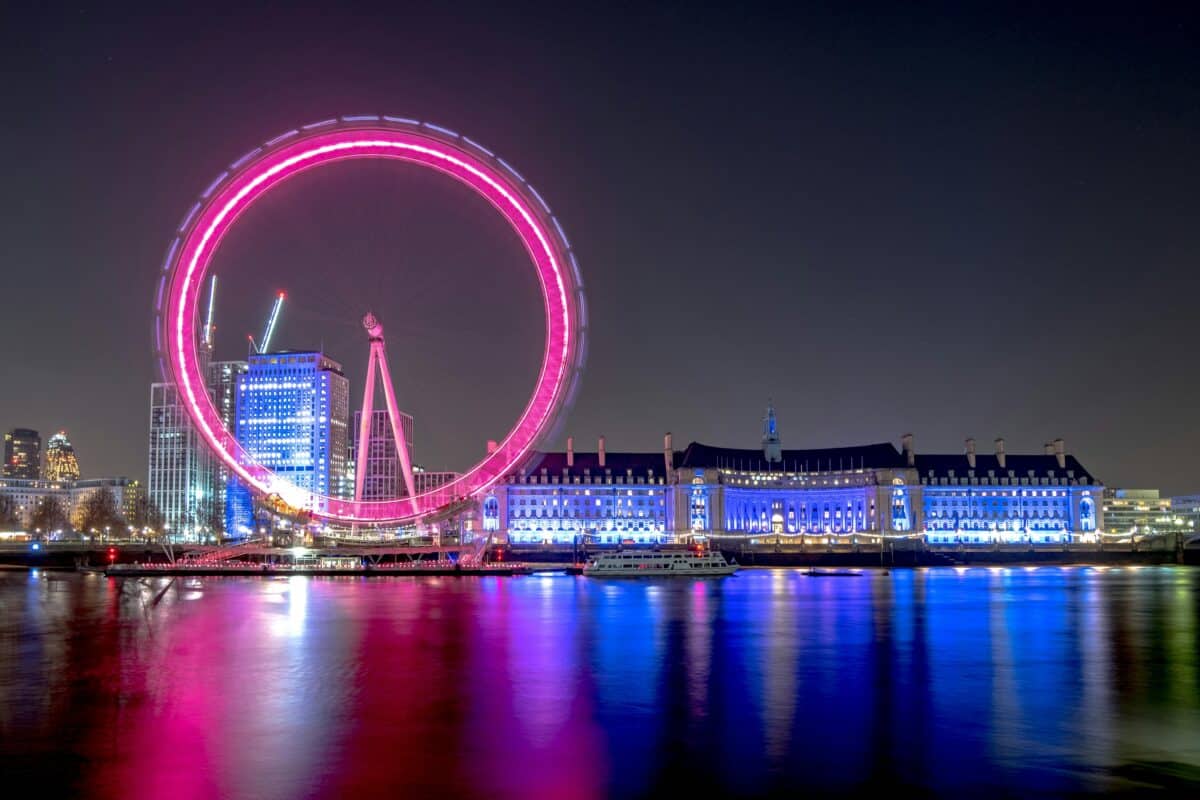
(291, 418)
(61, 463)
(834, 494)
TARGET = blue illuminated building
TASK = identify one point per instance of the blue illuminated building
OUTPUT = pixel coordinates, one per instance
(292, 410)
(584, 497)
(837, 495)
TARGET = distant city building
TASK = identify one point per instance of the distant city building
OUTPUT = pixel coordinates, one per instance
(236, 501)
(1186, 504)
(133, 494)
(383, 479)
(125, 492)
(1142, 512)
(181, 474)
(61, 464)
(1186, 507)
(222, 386)
(27, 493)
(426, 480)
(22, 454)
(292, 417)
(829, 494)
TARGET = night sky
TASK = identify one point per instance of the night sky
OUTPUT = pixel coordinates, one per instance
(947, 220)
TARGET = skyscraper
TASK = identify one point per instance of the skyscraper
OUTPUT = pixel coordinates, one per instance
(235, 500)
(383, 480)
(292, 410)
(22, 454)
(222, 385)
(181, 469)
(61, 464)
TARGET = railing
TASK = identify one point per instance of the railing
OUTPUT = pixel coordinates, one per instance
(475, 556)
(224, 553)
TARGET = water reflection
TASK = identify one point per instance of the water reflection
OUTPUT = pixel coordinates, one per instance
(996, 681)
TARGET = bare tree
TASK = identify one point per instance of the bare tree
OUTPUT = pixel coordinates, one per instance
(147, 515)
(49, 515)
(100, 511)
(9, 516)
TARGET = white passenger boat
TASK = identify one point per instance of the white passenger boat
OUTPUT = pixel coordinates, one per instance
(645, 564)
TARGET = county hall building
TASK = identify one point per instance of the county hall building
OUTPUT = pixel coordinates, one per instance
(834, 493)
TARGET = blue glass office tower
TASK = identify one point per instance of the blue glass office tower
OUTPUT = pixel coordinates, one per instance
(292, 411)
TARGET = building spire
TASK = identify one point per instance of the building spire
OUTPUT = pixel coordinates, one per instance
(772, 448)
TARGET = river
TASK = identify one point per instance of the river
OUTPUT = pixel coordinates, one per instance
(1000, 681)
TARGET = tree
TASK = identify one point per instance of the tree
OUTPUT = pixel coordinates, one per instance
(146, 515)
(9, 518)
(48, 515)
(100, 511)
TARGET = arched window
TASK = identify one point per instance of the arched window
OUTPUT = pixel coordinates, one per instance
(491, 513)
(1087, 514)
(901, 521)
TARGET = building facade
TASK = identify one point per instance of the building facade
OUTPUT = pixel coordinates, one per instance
(61, 463)
(22, 454)
(125, 491)
(235, 499)
(425, 480)
(292, 417)
(26, 493)
(1136, 513)
(181, 470)
(71, 495)
(383, 479)
(830, 494)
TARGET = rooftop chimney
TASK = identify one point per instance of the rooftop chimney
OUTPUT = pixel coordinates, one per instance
(1060, 453)
(570, 451)
(492, 446)
(906, 441)
(668, 455)
(1048, 448)
(971, 453)
(1000, 457)
(600, 453)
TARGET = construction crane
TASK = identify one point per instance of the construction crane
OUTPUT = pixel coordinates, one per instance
(264, 344)
(210, 329)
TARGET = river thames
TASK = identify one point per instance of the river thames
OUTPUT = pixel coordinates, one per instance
(1001, 681)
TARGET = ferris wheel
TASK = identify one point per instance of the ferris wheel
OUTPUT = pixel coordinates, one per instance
(199, 235)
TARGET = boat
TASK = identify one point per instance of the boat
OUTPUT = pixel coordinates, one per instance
(832, 573)
(658, 563)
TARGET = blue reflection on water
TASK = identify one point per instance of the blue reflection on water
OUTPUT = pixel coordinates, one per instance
(994, 681)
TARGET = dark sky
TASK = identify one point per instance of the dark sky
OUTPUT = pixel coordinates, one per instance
(952, 220)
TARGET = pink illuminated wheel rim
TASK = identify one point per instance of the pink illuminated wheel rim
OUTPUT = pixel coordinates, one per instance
(248, 178)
